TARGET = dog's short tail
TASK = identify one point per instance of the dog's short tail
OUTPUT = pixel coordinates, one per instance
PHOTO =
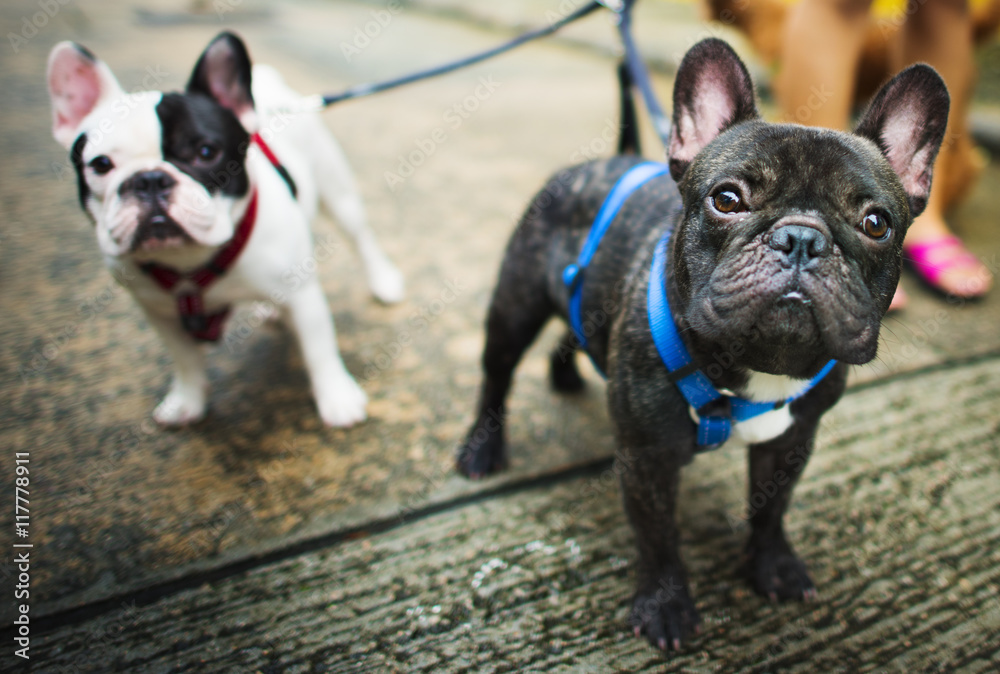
(628, 136)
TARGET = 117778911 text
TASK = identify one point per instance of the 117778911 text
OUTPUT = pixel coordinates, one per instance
(22, 556)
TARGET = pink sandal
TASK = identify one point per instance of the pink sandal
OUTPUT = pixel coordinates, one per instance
(932, 259)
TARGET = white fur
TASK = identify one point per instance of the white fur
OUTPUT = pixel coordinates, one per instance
(765, 427)
(763, 387)
(329, 172)
(129, 133)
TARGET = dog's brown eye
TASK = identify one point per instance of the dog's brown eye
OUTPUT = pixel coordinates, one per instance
(875, 226)
(727, 202)
(101, 164)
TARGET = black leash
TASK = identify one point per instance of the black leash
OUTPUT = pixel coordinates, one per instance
(639, 74)
(633, 62)
(320, 102)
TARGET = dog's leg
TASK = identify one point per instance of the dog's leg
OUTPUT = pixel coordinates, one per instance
(340, 196)
(662, 608)
(772, 566)
(186, 401)
(774, 570)
(563, 373)
(518, 311)
(340, 400)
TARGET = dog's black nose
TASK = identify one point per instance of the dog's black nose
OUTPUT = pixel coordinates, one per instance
(800, 243)
(150, 185)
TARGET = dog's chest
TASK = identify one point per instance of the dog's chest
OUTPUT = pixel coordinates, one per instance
(764, 387)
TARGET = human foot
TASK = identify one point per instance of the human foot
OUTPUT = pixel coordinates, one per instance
(947, 265)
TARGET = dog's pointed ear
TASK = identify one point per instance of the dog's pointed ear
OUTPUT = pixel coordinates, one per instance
(223, 73)
(907, 120)
(78, 81)
(712, 92)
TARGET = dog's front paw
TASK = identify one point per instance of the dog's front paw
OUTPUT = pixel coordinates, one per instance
(180, 408)
(481, 454)
(386, 283)
(777, 573)
(342, 404)
(664, 612)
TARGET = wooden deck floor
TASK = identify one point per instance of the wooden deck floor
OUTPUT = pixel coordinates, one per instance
(260, 541)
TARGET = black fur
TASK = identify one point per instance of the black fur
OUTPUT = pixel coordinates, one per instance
(76, 158)
(191, 121)
(223, 72)
(779, 286)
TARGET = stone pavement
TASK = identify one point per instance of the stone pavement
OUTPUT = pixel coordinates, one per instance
(261, 541)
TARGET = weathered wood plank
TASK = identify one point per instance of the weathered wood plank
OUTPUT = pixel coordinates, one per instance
(898, 516)
(128, 505)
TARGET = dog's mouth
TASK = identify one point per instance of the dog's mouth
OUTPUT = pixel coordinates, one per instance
(795, 296)
(786, 322)
(159, 231)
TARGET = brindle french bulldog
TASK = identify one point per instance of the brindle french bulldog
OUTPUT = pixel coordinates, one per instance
(782, 247)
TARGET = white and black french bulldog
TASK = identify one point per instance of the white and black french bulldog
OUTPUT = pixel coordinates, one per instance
(202, 200)
(728, 294)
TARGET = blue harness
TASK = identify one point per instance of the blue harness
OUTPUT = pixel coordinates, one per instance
(696, 388)
(633, 179)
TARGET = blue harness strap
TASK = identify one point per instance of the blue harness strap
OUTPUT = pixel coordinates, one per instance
(696, 387)
(573, 274)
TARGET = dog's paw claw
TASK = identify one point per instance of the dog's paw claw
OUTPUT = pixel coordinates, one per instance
(477, 460)
(665, 614)
(780, 576)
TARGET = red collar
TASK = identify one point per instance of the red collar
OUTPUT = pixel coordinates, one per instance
(275, 162)
(190, 301)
